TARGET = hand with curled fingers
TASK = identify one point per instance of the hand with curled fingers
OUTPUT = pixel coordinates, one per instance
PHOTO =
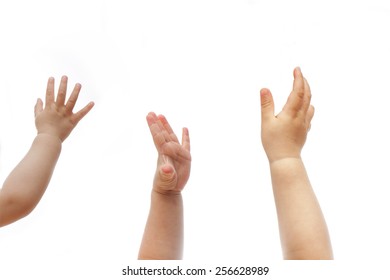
(284, 135)
(299, 213)
(57, 118)
(174, 159)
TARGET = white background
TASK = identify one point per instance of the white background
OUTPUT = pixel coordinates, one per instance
(202, 64)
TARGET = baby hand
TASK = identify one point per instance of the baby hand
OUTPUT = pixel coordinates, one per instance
(174, 159)
(57, 118)
(284, 135)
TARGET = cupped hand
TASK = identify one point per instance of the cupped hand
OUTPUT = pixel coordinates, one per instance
(284, 135)
(174, 159)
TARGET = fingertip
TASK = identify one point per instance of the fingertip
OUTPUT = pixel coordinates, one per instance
(266, 103)
(265, 95)
(151, 113)
(296, 72)
(310, 113)
(312, 109)
(161, 117)
(150, 118)
(76, 88)
(264, 91)
(38, 106)
(64, 81)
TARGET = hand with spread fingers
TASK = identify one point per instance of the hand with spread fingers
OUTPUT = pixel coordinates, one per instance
(174, 159)
(284, 135)
(26, 184)
(57, 118)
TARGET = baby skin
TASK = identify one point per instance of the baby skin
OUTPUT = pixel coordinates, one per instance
(302, 227)
(163, 235)
(26, 184)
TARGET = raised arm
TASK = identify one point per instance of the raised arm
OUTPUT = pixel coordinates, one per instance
(26, 184)
(302, 227)
(163, 236)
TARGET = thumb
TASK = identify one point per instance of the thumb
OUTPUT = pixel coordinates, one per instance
(167, 173)
(38, 107)
(267, 103)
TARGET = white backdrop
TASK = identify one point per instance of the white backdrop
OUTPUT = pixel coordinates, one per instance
(202, 64)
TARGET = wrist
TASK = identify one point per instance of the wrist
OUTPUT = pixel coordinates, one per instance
(283, 155)
(283, 160)
(165, 193)
(49, 139)
(287, 165)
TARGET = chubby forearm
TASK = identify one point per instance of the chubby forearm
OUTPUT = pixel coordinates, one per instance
(26, 184)
(163, 236)
(303, 230)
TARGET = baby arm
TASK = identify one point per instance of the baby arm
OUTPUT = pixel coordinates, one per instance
(302, 227)
(26, 184)
(163, 235)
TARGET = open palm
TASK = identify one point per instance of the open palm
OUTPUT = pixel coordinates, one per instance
(57, 117)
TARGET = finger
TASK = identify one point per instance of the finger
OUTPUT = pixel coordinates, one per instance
(81, 114)
(307, 97)
(175, 153)
(267, 104)
(49, 92)
(164, 131)
(155, 130)
(309, 115)
(62, 91)
(168, 128)
(38, 107)
(151, 118)
(185, 141)
(295, 100)
(73, 98)
(298, 79)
